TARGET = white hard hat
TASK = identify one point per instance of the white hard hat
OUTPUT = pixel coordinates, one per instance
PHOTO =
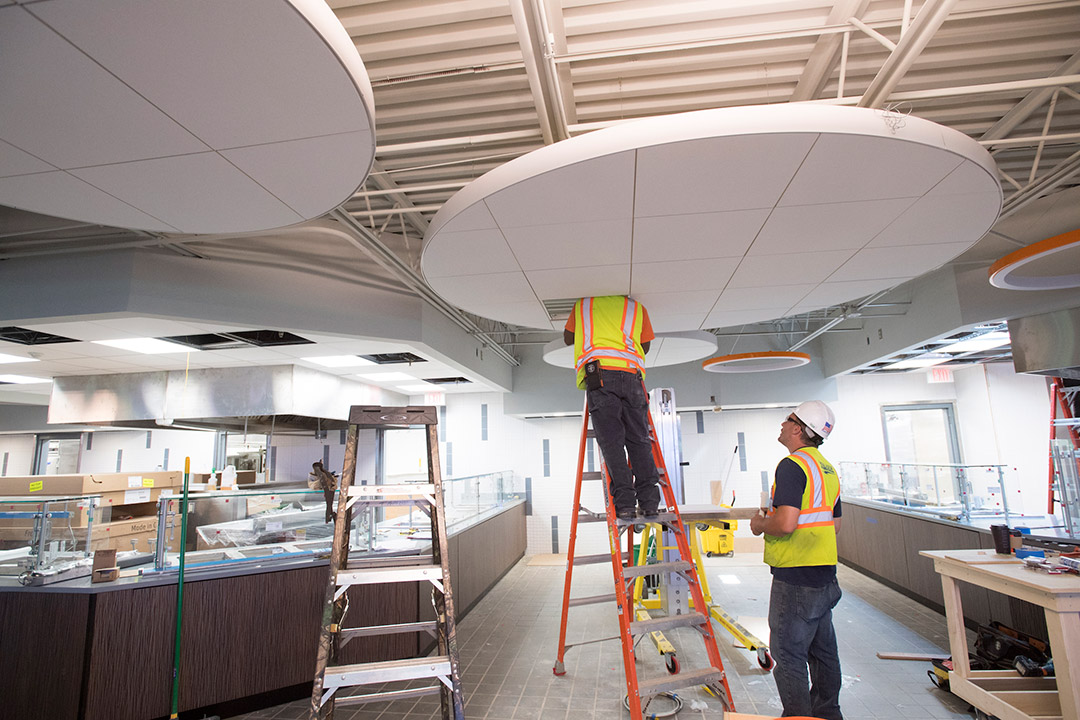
(817, 416)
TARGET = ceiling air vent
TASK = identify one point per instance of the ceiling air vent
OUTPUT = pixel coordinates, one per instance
(560, 308)
(394, 358)
(448, 381)
(240, 339)
(31, 337)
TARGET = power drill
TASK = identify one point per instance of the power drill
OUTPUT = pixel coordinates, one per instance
(1029, 668)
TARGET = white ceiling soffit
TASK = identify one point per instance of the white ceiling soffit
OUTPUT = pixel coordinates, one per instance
(717, 217)
(191, 116)
(666, 349)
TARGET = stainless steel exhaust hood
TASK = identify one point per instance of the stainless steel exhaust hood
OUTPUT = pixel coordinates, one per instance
(1047, 344)
(279, 398)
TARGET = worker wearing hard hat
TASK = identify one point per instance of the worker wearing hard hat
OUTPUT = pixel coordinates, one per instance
(611, 335)
(800, 544)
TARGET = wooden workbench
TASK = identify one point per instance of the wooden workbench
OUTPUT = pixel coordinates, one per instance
(1004, 693)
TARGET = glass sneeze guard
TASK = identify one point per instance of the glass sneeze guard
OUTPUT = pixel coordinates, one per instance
(46, 534)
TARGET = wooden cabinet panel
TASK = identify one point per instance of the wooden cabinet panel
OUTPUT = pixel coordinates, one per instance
(42, 648)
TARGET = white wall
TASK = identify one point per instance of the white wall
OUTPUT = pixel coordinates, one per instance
(135, 456)
(17, 454)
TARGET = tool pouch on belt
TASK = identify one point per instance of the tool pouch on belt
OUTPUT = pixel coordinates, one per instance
(593, 380)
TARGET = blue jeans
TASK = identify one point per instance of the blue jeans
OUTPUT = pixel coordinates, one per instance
(619, 412)
(800, 621)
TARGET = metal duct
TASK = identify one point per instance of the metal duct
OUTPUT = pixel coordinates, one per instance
(1047, 344)
(283, 397)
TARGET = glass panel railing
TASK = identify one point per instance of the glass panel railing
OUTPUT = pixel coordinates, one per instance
(46, 537)
(958, 492)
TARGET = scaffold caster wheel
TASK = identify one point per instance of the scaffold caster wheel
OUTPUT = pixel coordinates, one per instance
(672, 663)
(764, 659)
(559, 669)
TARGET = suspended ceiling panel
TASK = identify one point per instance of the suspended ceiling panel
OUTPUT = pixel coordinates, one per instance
(715, 217)
(188, 116)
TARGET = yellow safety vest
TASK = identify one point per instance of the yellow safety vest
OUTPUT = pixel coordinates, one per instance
(813, 542)
(608, 329)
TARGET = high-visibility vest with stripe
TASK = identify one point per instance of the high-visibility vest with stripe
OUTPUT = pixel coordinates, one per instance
(608, 329)
(813, 542)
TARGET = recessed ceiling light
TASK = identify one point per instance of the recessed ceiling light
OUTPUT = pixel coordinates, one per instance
(15, 359)
(23, 379)
(922, 361)
(337, 361)
(977, 344)
(146, 346)
(419, 388)
(387, 376)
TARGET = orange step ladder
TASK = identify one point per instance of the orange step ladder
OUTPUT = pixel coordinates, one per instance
(1060, 416)
(640, 691)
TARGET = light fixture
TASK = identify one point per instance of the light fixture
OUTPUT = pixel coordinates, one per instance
(978, 344)
(755, 362)
(339, 361)
(23, 379)
(1049, 264)
(418, 388)
(146, 346)
(921, 361)
(15, 359)
(386, 376)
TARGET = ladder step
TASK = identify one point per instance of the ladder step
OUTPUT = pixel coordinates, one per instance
(388, 696)
(592, 599)
(686, 678)
(654, 568)
(418, 490)
(644, 627)
(590, 433)
(372, 576)
(390, 671)
(597, 475)
(370, 630)
(588, 517)
(596, 559)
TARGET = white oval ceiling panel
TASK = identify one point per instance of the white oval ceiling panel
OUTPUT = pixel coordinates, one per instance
(734, 215)
(666, 349)
(176, 116)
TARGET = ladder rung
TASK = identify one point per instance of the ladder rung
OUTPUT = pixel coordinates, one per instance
(644, 627)
(417, 490)
(591, 517)
(592, 599)
(596, 475)
(400, 561)
(595, 559)
(686, 678)
(590, 433)
(430, 626)
(654, 568)
(388, 696)
(372, 576)
(389, 671)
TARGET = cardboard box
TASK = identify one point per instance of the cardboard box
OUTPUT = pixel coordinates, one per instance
(89, 483)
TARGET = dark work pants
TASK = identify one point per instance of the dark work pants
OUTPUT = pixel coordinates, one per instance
(801, 638)
(619, 412)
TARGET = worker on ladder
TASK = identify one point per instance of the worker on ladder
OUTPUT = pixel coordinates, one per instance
(611, 335)
(800, 544)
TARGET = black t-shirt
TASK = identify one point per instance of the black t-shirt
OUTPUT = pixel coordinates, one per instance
(790, 486)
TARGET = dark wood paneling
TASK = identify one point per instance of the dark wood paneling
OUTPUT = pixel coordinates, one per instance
(42, 651)
(881, 544)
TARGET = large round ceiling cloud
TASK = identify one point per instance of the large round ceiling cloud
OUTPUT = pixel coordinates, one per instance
(714, 218)
(180, 115)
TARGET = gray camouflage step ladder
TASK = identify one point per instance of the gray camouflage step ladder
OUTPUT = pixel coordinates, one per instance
(442, 668)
